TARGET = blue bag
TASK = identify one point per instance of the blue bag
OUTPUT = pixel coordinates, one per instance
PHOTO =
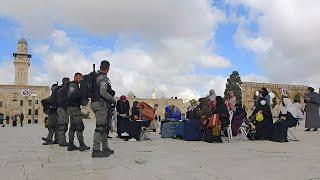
(180, 129)
(192, 130)
(169, 129)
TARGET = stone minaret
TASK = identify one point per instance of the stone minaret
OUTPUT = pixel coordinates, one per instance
(21, 63)
(154, 95)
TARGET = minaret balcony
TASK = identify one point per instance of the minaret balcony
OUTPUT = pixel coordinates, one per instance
(16, 54)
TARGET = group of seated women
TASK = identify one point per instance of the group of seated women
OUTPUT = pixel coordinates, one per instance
(264, 127)
(208, 118)
(130, 127)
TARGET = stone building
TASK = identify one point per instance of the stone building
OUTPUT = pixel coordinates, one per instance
(21, 97)
(249, 89)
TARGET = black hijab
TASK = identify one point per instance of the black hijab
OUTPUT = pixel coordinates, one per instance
(221, 108)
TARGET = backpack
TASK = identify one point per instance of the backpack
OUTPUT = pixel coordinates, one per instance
(46, 105)
(87, 87)
(53, 97)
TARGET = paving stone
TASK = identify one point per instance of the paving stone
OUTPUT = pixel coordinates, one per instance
(22, 156)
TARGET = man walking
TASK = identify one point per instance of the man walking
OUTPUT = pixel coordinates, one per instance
(312, 100)
(21, 119)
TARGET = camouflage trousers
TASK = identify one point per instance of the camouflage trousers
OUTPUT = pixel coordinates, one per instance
(76, 124)
(103, 118)
(63, 121)
(52, 126)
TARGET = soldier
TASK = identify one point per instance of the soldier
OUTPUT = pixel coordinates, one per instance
(101, 105)
(63, 116)
(50, 108)
(76, 123)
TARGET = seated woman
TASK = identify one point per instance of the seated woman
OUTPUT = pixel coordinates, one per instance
(262, 119)
(238, 118)
(137, 123)
(286, 120)
(123, 120)
(172, 113)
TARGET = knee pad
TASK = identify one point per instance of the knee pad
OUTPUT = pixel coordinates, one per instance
(80, 127)
(73, 127)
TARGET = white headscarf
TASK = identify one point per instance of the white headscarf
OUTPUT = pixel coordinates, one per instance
(288, 107)
(212, 95)
(284, 92)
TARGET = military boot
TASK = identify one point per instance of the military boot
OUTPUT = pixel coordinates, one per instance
(99, 154)
(47, 143)
(55, 141)
(63, 144)
(108, 150)
(72, 147)
(83, 147)
(45, 139)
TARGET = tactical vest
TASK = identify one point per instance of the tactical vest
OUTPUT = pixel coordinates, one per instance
(96, 93)
(74, 95)
(62, 97)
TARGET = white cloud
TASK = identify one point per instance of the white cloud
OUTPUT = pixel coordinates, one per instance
(157, 42)
(254, 78)
(6, 72)
(214, 62)
(258, 44)
(132, 69)
(293, 27)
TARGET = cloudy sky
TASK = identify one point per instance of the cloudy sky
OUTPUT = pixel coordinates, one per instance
(179, 48)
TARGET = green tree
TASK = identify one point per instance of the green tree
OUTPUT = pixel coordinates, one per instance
(234, 84)
(297, 98)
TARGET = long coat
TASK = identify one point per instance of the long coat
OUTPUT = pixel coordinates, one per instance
(312, 110)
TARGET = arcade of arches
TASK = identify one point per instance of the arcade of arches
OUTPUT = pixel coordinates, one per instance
(249, 89)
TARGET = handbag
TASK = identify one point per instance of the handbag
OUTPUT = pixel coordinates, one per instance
(259, 116)
(213, 121)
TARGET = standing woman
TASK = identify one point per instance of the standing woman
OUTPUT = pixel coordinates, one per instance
(312, 100)
(212, 99)
(14, 120)
(265, 95)
(154, 124)
(222, 111)
(231, 102)
(7, 119)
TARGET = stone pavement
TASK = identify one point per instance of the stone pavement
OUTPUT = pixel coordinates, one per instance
(22, 156)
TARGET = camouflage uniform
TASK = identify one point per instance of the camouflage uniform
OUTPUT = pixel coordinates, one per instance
(102, 107)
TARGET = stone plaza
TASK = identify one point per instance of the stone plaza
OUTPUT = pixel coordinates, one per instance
(23, 156)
